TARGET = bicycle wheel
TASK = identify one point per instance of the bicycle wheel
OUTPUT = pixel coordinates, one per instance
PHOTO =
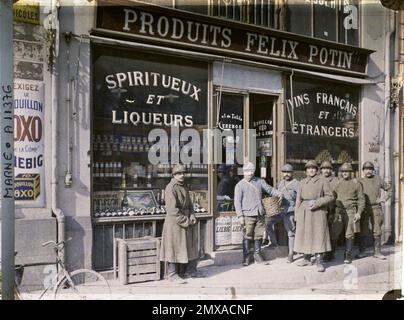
(83, 284)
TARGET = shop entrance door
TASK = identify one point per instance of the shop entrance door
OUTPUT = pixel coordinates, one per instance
(248, 111)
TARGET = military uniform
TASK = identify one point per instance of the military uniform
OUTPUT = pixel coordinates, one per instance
(250, 211)
(350, 201)
(335, 224)
(287, 215)
(312, 233)
(373, 210)
(179, 244)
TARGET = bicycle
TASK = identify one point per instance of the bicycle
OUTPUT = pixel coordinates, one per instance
(79, 284)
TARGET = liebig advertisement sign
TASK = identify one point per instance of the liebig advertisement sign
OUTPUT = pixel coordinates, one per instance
(207, 34)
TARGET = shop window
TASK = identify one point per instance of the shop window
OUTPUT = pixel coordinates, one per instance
(333, 20)
(257, 12)
(196, 6)
(322, 122)
(298, 17)
(325, 19)
(348, 14)
(133, 95)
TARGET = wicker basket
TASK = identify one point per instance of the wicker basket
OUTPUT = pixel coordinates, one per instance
(271, 206)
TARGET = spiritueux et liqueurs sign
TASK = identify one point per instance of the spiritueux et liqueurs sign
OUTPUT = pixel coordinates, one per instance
(153, 24)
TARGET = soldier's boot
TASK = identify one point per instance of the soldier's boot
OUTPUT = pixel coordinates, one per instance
(258, 258)
(172, 273)
(320, 262)
(330, 255)
(291, 244)
(378, 244)
(362, 248)
(304, 262)
(246, 252)
(348, 251)
(192, 271)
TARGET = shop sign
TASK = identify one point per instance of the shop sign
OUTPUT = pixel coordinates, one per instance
(29, 167)
(203, 33)
(322, 113)
(26, 12)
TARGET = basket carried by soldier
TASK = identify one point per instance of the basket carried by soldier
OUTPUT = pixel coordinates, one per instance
(271, 206)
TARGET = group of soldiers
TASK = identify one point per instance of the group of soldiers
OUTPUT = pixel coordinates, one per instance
(315, 212)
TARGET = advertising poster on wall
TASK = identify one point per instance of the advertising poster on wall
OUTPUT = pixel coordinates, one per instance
(29, 167)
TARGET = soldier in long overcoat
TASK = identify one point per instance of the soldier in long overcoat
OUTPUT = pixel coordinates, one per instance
(335, 223)
(179, 247)
(312, 233)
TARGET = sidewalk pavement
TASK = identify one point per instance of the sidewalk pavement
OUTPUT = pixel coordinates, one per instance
(366, 278)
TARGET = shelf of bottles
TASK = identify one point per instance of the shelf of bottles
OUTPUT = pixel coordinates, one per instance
(121, 166)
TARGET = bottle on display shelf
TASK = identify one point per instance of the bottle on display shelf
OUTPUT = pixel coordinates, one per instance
(101, 170)
(119, 169)
(162, 199)
(135, 181)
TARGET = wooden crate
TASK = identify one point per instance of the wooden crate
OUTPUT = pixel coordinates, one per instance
(138, 260)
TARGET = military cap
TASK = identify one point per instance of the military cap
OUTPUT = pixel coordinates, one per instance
(178, 168)
(249, 166)
(221, 168)
(287, 168)
(368, 165)
(346, 167)
(311, 164)
(326, 164)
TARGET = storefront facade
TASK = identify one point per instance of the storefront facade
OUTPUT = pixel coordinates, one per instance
(153, 84)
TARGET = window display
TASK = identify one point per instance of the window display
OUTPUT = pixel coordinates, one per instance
(133, 95)
(322, 122)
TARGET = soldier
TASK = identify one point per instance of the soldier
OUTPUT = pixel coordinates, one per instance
(179, 247)
(288, 186)
(250, 211)
(350, 204)
(372, 186)
(334, 221)
(312, 234)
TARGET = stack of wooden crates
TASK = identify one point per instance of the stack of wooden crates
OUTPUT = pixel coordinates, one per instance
(138, 260)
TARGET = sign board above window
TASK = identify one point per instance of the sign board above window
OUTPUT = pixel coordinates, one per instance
(154, 24)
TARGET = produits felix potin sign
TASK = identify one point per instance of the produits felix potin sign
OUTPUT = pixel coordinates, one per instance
(204, 33)
(29, 143)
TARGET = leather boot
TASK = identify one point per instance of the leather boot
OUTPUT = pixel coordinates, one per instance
(172, 273)
(362, 248)
(378, 245)
(320, 262)
(257, 252)
(192, 271)
(330, 255)
(246, 252)
(348, 251)
(304, 262)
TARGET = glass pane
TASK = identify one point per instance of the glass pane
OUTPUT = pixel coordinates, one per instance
(118, 231)
(138, 230)
(298, 17)
(108, 247)
(98, 247)
(197, 6)
(231, 117)
(128, 230)
(134, 94)
(325, 19)
(325, 123)
(349, 22)
(148, 229)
